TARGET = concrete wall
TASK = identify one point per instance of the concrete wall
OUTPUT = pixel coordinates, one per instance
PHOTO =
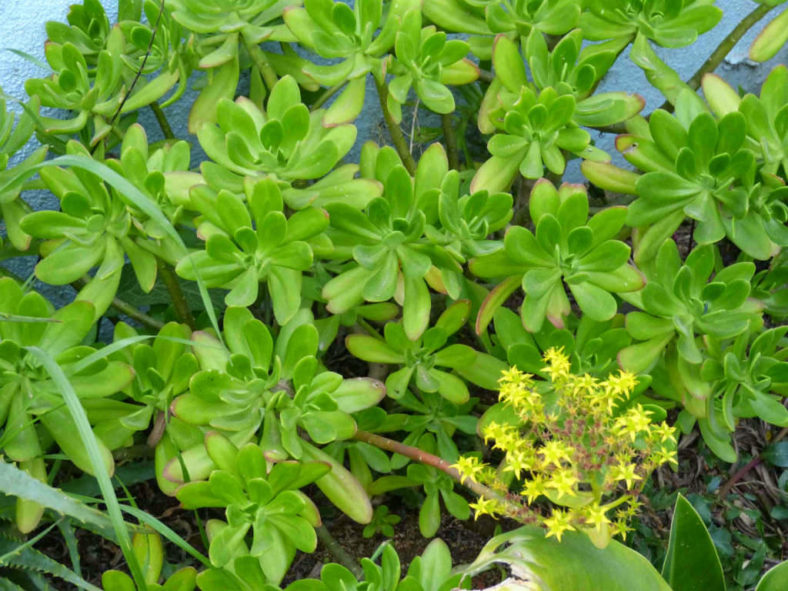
(22, 29)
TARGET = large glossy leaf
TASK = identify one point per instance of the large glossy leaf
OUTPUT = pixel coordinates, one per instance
(775, 580)
(692, 563)
(570, 565)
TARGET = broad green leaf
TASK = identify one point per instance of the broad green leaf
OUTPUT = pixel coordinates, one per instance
(572, 564)
(691, 563)
(771, 39)
(775, 579)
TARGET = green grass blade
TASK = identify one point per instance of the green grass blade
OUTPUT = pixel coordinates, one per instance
(127, 342)
(18, 483)
(91, 445)
(138, 199)
(134, 197)
(107, 351)
(29, 57)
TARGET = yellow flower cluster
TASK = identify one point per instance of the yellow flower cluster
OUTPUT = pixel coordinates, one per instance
(575, 441)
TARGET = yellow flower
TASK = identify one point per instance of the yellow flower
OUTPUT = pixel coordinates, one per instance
(663, 432)
(634, 421)
(483, 506)
(558, 523)
(468, 467)
(492, 431)
(584, 384)
(595, 516)
(621, 385)
(517, 461)
(563, 481)
(508, 439)
(620, 528)
(624, 471)
(534, 488)
(664, 455)
(543, 458)
(554, 451)
(631, 509)
(558, 364)
(510, 376)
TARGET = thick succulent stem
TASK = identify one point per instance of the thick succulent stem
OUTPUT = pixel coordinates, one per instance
(262, 64)
(337, 551)
(451, 141)
(179, 302)
(161, 118)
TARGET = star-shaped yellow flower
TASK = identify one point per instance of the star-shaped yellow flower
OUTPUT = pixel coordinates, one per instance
(558, 523)
(484, 506)
(595, 516)
(468, 467)
(626, 472)
(563, 481)
(534, 488)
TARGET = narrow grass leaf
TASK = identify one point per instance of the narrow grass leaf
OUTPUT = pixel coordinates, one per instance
(89, 441)
(18, 483)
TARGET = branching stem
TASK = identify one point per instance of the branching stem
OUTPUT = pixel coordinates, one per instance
(262, 64)
(419, 455)
(451, 141)
(179, 302)
(397, 137)
(337, 551)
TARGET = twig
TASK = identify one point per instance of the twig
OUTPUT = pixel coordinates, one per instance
(724, 48)
(742, 472)
(126, 308)
(162, 120)
(337, 551)
(179, 302)
(262, 64)
(394, 130)
(414, 453)
(451, 142)
(138, 74)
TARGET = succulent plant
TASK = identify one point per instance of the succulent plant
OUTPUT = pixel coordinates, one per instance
(427, 61)
(390, 254)
(360, 36)
(671, 23)
(537, 123)
(567, 249)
